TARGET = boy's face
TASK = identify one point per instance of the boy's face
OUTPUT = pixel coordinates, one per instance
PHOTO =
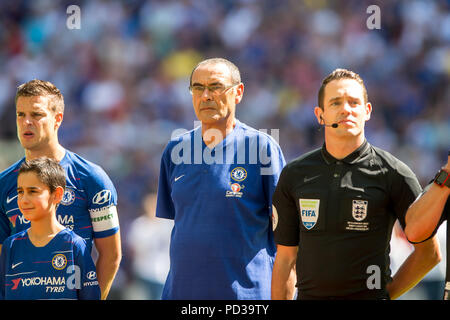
(34, 197)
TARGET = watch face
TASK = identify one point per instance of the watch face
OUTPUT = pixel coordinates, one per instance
(441, 177)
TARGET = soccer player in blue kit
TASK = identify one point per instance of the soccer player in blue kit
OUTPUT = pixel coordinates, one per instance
(88, 206)
(216, 183)
(46, 261)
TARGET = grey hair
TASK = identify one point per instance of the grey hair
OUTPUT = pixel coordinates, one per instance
(234, 70)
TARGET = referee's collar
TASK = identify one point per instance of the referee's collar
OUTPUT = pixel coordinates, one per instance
(353, 157)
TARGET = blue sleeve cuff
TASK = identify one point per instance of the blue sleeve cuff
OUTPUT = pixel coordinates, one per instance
(106, 233)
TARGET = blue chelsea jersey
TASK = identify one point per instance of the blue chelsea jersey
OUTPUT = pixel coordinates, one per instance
(220, 200)
(88, 206)
(62, 269)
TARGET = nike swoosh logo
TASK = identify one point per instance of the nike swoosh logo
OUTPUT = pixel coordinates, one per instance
(306, 179)
(16, 264)
(8, 199)
(178, 178)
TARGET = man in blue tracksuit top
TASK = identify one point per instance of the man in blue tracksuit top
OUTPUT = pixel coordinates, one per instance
(216, 183)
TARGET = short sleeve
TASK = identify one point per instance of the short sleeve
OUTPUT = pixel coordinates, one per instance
(405, 189)
(89, 286)
(285, 214)
(102, 205)
(164, 204)
(3, 263)
(5, 227)
(272, 170)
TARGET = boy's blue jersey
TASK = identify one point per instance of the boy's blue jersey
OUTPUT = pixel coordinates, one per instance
(62, 269)
(220, 199)
(88, 206)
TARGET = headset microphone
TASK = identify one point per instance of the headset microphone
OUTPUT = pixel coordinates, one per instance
(333, 125)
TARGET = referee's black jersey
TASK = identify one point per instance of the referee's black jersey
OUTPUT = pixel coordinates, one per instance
(340, 214)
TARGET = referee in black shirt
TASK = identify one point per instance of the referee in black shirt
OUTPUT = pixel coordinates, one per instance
(335, 207)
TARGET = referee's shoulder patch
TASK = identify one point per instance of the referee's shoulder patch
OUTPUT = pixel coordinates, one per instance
(274, 218)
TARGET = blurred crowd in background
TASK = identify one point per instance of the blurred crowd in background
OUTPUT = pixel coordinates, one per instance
(125, 75)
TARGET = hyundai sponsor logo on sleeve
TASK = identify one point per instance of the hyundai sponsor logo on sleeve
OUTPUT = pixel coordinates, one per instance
(102, 197)
(91, 275)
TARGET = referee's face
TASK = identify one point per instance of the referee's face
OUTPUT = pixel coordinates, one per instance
(37, 124)
(214, 106)
(344, 104)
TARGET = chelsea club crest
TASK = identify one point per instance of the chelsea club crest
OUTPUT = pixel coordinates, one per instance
(68, 197)
(59, 261)
(238, 174)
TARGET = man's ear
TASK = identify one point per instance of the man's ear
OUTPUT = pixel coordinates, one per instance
(318, 113)
(58, 119)
(239, 92)
(368, 110)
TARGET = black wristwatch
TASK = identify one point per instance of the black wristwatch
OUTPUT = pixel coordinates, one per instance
(442, 178)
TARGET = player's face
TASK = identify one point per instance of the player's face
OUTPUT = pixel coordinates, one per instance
(344, 104)
(213, 108)
(37, 124)
(34, 198)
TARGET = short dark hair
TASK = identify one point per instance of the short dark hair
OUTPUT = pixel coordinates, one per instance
(337, 75)
(234, 70)
(48, 171)
(38, 87)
